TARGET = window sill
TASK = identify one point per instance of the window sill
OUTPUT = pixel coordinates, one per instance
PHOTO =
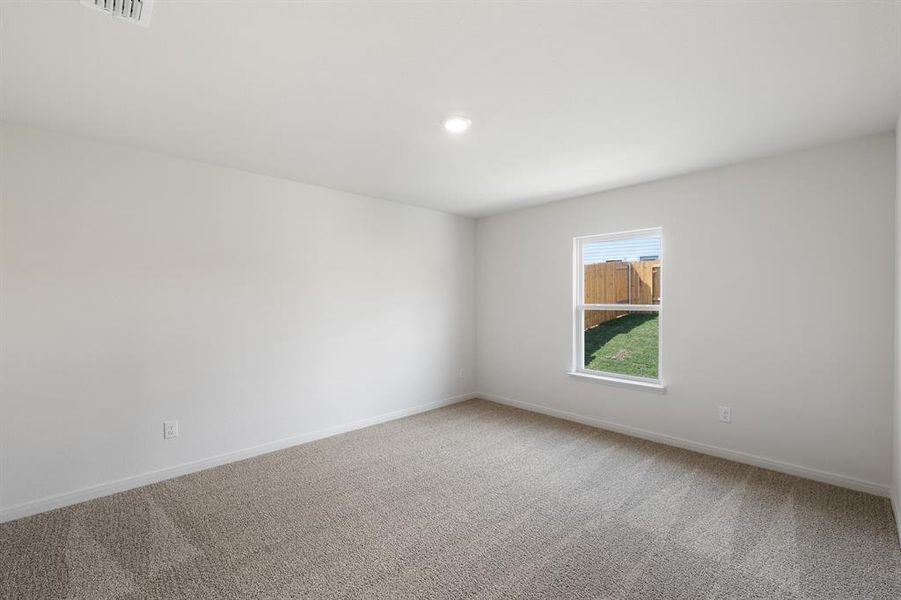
(647, 386)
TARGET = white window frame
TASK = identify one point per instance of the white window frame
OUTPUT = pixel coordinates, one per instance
(579, 308)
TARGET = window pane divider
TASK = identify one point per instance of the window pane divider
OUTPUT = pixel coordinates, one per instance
(622, 307)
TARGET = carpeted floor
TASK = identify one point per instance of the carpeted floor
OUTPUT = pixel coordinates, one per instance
(475, 500)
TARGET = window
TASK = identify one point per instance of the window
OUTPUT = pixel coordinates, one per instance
(618, 307)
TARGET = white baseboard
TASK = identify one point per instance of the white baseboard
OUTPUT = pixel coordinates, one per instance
(895, 508)
(127, 483)
(859, 485)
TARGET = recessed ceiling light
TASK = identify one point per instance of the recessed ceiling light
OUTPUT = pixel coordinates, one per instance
(456, 124)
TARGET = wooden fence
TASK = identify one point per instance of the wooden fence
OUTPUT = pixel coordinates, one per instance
(635, 282)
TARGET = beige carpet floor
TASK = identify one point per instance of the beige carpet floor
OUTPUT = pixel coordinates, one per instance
(475, 500)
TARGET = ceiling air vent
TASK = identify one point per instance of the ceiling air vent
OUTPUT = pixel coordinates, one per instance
(135, 11)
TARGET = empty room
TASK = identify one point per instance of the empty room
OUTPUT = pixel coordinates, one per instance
(450, 300)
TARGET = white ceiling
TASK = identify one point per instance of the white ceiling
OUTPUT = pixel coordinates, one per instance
(565, 98)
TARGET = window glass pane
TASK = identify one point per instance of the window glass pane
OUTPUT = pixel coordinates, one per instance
(624, 271)
(620, 342)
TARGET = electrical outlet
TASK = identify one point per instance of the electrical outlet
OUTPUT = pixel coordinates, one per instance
(725, 414)
(460, 374)
(170, 430)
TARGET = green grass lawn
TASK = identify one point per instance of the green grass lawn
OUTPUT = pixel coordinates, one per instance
(626, 345)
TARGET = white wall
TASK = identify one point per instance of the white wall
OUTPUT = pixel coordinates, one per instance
(137, 288)
(778, 288)
(896, 421)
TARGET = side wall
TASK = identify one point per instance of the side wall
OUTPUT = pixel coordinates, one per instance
(896, 421)
(778, 302)
(258, 312)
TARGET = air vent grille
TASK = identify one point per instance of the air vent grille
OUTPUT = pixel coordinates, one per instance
(136, 11)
